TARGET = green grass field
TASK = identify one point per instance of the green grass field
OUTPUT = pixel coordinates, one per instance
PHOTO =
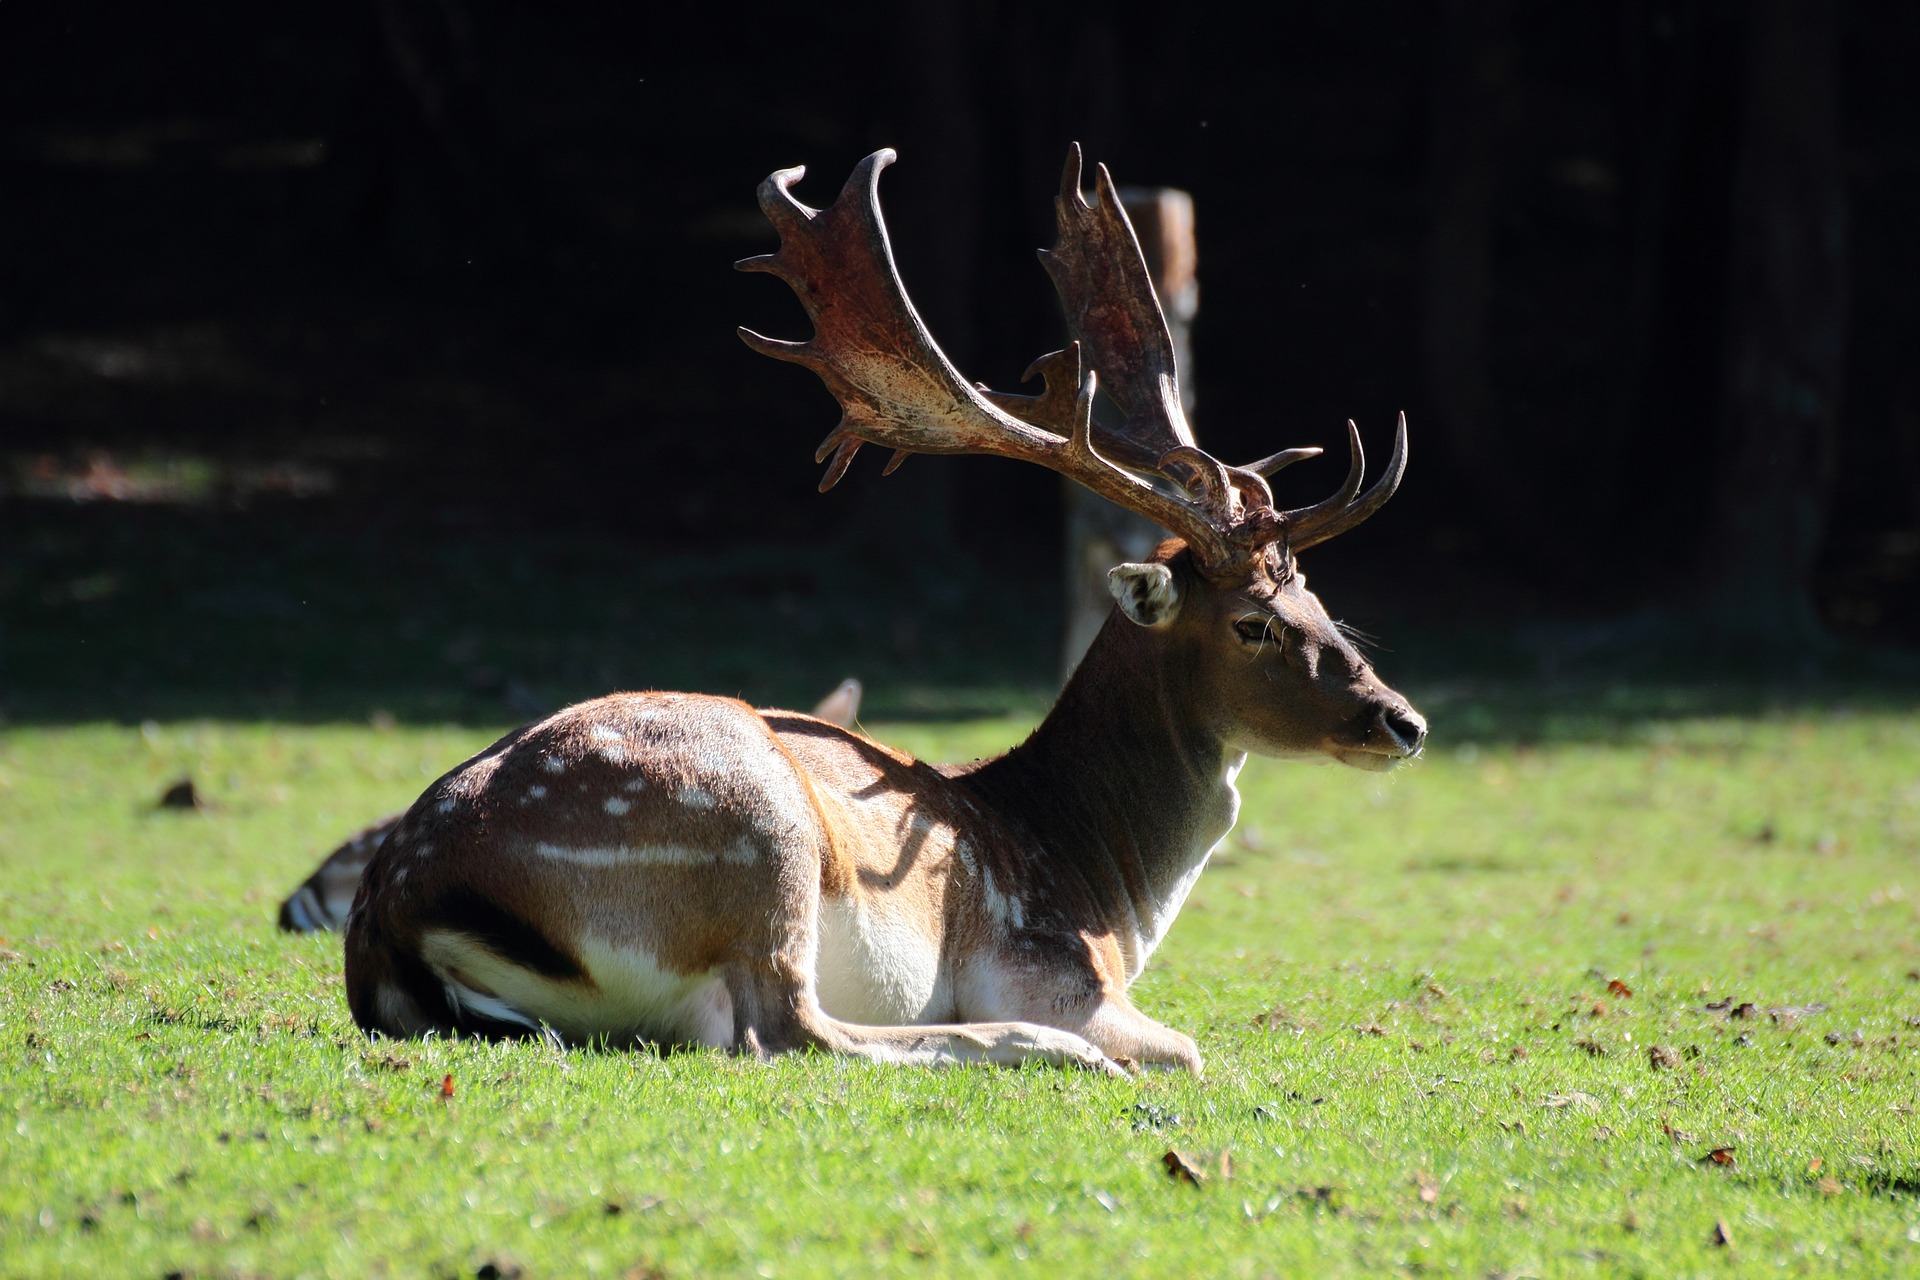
(1412, 992)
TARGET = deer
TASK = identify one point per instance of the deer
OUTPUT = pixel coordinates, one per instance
(677, 870)
(323, 900)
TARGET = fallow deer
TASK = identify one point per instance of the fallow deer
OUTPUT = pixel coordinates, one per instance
(677, 869)
(323, 900)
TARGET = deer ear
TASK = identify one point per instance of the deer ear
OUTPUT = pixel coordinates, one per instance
(1147, 593)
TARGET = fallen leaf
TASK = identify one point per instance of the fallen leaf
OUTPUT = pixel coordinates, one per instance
(1226, 1166)
(1829, 1185)
(1722, 1234)
(1429, 1190)
(1744, 1009)
(446, 1086)
(181, 795)
(1181, 1169)
(1813, 1165)
(1593, 1048)
(1370, 1029)
(1662, 1057)
(1722, 1156)
(1516, 1053)
(1615, 987)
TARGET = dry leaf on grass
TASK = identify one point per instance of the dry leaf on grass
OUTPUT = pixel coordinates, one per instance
(446, 1086)
(1662, 1057)
(1182, 1169)
(1722, 1156)
(1722, 1234)
(1615, 987)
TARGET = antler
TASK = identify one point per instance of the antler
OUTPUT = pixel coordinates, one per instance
(897, 389)
(895, 386)
(1107, 294)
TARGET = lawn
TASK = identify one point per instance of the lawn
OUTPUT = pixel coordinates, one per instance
(1631, 992)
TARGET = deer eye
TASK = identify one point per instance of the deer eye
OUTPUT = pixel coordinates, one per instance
(1255, 630)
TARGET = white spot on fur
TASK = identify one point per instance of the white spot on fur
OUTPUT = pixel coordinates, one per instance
(1001, 907)
(616, 806)
(635, 784)
(445, 806)
(553, 764)
(613, 743)
(698, 797)
(738, 853)
(536, 793)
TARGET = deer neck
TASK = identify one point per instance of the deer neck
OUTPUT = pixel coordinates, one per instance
(1124, 788)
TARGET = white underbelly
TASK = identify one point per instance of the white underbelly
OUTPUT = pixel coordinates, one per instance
(875, 969)
(632, 998)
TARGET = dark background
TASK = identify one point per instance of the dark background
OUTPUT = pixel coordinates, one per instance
(353, 349)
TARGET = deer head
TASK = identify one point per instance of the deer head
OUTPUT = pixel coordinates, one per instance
(1225, 601)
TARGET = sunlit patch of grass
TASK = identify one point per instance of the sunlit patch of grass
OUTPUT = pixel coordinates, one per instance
(1490, 1014)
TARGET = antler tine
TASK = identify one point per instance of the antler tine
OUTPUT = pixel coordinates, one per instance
(1310, 526)
(1274, 463)
(1304, 517)
(895, 386)
(1107, 294)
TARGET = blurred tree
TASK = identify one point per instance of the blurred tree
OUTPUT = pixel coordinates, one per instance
(1787, 304)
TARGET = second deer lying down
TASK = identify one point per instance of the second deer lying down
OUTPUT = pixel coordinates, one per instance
(678, 869)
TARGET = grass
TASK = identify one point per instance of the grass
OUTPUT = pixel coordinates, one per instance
(1417, 1059)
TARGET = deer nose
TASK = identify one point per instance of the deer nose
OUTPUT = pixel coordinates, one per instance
(1405, 726)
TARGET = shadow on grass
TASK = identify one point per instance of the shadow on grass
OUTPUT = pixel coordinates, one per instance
(310, 614)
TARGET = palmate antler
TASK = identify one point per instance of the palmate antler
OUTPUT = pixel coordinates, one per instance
(897, 389)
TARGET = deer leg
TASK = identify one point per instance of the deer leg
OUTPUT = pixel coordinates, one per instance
(1123, 1032)
(1059, 980)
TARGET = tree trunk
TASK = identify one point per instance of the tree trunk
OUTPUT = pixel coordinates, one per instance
(1787, 303)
